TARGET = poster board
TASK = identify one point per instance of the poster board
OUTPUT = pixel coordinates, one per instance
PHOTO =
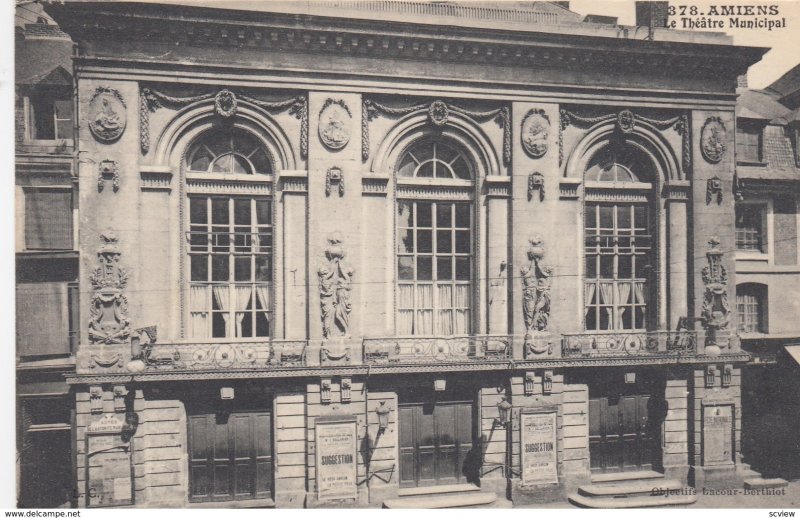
(336, 456)
(539, 446)
(109, 464)
(718, 421)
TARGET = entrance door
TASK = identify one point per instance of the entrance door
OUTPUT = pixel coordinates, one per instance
(624, 426)
(435, 440)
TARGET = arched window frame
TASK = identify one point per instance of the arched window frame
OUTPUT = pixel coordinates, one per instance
(621, 246)
(445, 303)
(229, 218)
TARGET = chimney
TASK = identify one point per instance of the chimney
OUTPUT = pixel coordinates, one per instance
(651, 14)
(741, 81)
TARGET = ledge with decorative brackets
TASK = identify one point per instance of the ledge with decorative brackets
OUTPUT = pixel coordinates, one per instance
(293, 181)
(156, 178)
(497, 186)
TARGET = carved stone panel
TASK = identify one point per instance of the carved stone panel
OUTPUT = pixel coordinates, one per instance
(715, 312)
(335, 124)
(713, 138)
(107, 116)
(536, 281)
(335, 279)
(108, 313)
(535, 132)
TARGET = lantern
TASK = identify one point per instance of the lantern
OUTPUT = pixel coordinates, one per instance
(504, 409)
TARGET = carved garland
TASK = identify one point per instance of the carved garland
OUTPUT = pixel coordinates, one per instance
(225, 105)
(438, 113)
(626, 122)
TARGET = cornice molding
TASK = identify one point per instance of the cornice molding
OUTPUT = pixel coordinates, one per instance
(368, 38)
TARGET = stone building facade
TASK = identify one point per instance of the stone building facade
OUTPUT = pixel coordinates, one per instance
(45, 245)
(767, 189)
(355, 257)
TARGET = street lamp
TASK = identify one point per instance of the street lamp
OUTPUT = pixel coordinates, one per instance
(383, 416)
(504, 409)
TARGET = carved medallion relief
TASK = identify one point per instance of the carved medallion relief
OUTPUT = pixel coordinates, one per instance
(713, 138)
(107, 116)
(335, 124)
(535, 132)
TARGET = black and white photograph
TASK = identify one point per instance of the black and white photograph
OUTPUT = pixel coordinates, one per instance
(401, 254)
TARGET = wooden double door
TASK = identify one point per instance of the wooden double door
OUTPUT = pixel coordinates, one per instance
(625, 427)
(436, 442)
(230, 456)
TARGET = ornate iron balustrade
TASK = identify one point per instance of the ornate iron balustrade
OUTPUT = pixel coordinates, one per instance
(432, 349)
(629, 343)
(208, 356)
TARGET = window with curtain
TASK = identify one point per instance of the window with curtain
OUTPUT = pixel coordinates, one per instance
(618, 244)
(434, 248)
(751, 306)
(229, 241)
(751, 227)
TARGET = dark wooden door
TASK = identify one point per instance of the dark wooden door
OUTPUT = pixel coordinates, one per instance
(230, 456)
(622, 433)
(435, 440)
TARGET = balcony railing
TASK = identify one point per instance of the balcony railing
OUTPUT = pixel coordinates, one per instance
(432, 349)
(629, 343)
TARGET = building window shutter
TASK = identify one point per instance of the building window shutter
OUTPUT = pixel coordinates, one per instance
(48, 220)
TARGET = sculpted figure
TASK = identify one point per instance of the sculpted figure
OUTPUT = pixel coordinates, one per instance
(335, 280)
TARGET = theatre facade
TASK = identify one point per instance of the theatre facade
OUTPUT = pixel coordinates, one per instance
(392, 249)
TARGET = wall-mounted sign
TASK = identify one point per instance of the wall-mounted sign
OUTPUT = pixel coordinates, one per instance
(717, 434)
(336, 458)
(539, 446)
(109, 467)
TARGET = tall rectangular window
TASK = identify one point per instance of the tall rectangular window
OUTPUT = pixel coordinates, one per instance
(750, 308)
(617, 248)
(434, 267)
(48, 219)
(230, 260)
(51, 117)
(751, 227)
(748, 143)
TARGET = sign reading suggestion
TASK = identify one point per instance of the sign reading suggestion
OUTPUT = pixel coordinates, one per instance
(336, 460)
(539, 447)
(717, 434)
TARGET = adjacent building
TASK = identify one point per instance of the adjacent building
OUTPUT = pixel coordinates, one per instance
(47, 321)
(767, 273)
(396, 249)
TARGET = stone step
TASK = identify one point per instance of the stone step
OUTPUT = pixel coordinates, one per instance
(437, 490)
(631, 502)
(749, 473)
(466, 499)
(764, 483)
(601, 478)
(646, 487)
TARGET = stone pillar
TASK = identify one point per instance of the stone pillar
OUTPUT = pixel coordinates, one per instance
(497, 254)
(677, 243)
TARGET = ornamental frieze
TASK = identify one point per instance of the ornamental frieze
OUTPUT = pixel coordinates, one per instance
(438, 113)
(226, 106)
(107, 115)
(335, 124)
(625, 122)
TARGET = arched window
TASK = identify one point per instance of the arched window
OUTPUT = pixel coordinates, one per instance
(751, 307)
(435, 256)
(230, 241)
(229, 152)
(434, 159)
(619, 239)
